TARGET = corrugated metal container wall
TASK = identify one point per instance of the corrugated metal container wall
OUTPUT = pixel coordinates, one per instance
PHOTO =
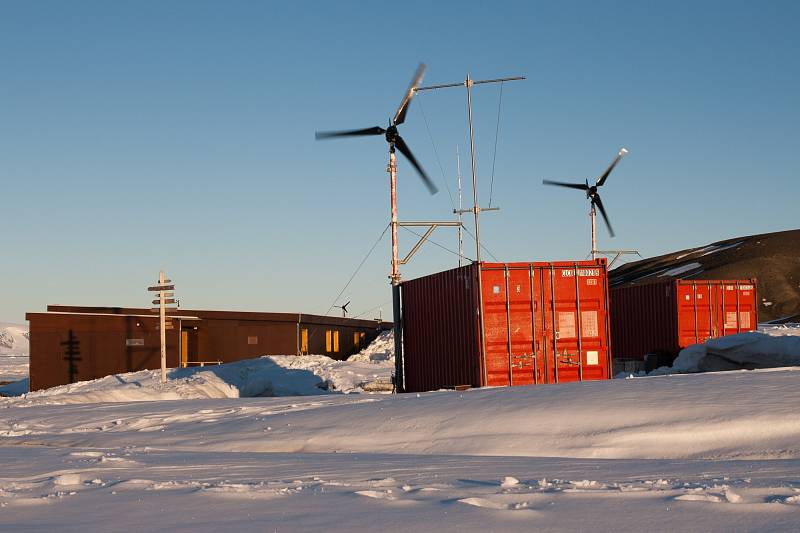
(714, 308)
(644, 320)
(543, 323)
(440, 330)
(664, 317)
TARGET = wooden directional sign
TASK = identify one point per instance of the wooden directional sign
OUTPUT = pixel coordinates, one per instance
(167, 301)
(166, 310)
(159, 288)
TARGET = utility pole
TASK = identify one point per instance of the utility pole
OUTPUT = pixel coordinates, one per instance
(469, 83)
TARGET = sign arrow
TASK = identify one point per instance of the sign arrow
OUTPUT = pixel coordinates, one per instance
(159, 288)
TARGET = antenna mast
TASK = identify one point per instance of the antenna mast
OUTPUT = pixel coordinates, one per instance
(459, 212)
(476, 209)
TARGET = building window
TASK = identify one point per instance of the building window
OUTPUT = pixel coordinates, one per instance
(252, 339)
(336, 341)
(358, 340)
(328, 343)
(304, 341)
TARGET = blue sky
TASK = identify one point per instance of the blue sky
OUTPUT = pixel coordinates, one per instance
(180, 135)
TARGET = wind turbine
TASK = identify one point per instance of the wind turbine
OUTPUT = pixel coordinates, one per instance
(343, 308)
(593, 196)
(395, 142)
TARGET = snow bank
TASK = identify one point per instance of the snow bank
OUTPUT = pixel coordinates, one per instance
(777, 347)
(379, 350)
(277, 375)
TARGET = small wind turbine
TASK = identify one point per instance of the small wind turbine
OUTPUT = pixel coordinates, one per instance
(343, 308)
(395, 141)
(593, 196)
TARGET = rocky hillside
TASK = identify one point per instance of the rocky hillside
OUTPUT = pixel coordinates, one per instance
(773, 258)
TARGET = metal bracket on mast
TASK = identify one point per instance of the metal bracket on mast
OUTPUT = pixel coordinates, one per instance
(431, 227)
(617, 254)
(473, 209)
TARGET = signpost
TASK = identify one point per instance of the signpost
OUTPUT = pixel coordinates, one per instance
(164, 289)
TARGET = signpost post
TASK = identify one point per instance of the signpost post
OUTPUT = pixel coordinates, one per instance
(165, 289)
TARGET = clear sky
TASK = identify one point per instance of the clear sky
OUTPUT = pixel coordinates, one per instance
(136, 136)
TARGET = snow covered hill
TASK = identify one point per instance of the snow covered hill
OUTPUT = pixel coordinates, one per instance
(773, 258)
(13, 339)
(13, 352)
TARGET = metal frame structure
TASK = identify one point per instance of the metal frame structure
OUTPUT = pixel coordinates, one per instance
(468, 83)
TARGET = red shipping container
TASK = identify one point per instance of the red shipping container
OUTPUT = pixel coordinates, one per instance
(664, 317)
(541, 323)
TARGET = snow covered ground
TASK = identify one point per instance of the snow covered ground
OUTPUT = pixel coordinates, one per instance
(701, 452)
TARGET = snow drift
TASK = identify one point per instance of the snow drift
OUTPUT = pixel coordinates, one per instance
(277, 375)
(722, 415)
(769, 348)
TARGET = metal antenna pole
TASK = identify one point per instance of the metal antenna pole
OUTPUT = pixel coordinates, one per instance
(476, 209)
(460, 213)
(593, 216)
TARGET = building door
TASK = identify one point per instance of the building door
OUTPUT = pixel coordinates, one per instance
(188, 346)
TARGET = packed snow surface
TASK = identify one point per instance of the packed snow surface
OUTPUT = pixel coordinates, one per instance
(707, 452)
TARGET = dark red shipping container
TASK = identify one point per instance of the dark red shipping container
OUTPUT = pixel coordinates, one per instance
(662, 318)
(542, 323)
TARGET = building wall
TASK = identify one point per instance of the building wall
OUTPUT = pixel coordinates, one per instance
(103, 345)
(103, 336)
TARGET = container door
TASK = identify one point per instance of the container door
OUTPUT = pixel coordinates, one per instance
(548, 332)
(496, 330)
(704, 310)
(520, 318)
(508, 322)
(542, 334)
(565, 325)
(594, 328)
(579, 319)
(747, 307)
(693, 314)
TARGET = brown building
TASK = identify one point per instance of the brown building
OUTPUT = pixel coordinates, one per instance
(70, 343)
